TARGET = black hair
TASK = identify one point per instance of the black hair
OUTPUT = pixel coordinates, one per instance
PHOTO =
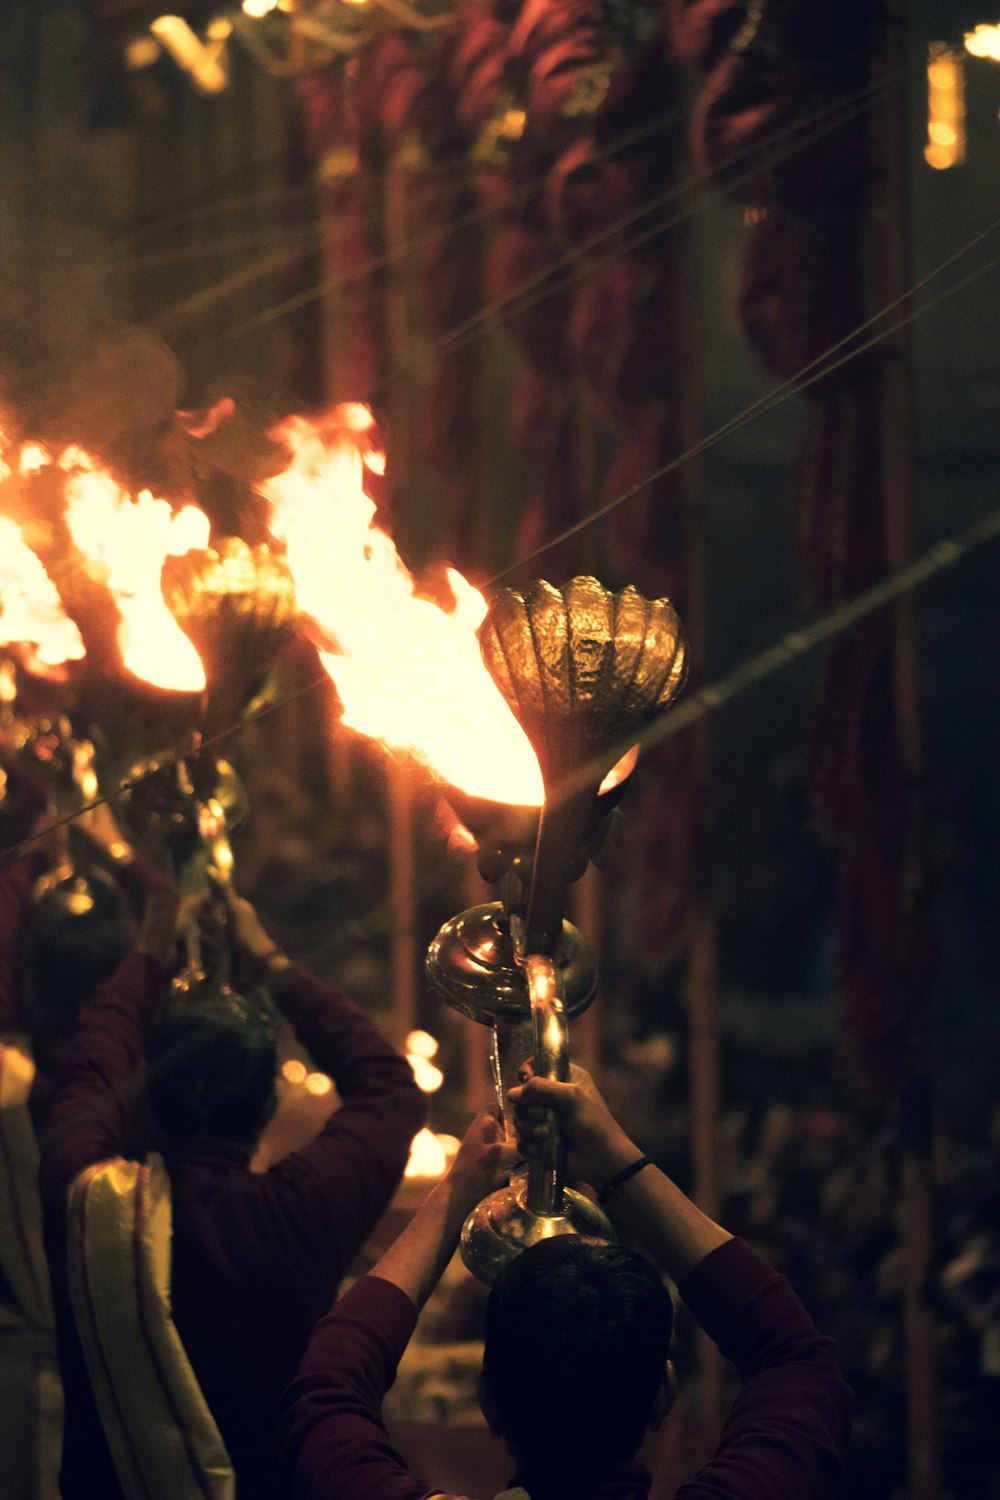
(211, 1066)
(68, 959)
(577, 1340)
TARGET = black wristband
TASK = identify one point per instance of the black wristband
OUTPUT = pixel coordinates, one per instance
(623, 1177)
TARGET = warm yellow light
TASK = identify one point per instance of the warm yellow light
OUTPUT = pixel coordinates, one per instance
(945, 107)
(421, 1043)
(294, 1071)
(257, 8)
(141, 52)
(984, 41)
(219, 30)
(318, 1084)
(430, 1154)
(204, 63)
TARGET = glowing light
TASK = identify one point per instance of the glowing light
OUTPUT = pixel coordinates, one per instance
(30, 610)
(294, 1071)
(141, 52)
(945, 107)
(205, 63)
(420, 1047)
(258, 8)
(408, 672)
(33, 459)
(421, 1044)
(318, 1084)
(430, 1154)
(984, 41)
(126, 540)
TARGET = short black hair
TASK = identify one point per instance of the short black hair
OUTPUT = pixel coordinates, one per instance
(577, 1339)
(211, 1066)
(68, 959)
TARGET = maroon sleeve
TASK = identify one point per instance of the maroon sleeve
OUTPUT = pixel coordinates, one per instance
(16, 880)
(330, 1431)
(89, 1108)
(789, 1428)
(343, 1181)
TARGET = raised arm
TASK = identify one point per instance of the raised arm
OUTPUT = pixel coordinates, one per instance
(345, 1178)
(88, 1115)
(334, 1443)
(789, 1428)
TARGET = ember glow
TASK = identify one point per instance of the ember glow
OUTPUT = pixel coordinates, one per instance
(408, 672)
(126, 538)
(30, 612)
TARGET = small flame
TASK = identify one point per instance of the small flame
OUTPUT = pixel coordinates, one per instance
(408, 672)
(430, 1154)
(420, 1047)
(126, 538)
(30, 609)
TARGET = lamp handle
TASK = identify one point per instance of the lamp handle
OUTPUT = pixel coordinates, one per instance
(546, 1174)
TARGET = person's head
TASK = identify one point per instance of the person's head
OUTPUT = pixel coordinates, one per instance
(69, 957)
(211, 1068)
(575, 1366)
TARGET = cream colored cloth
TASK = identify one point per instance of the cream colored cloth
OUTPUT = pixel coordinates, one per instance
(162, 1436)
(31, 1402)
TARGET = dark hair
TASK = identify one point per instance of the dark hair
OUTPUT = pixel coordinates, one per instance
(577, 1340)
(68, 960)
(211, 1065)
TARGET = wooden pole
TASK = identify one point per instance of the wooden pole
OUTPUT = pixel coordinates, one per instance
(400, 777)
(915, 1210)
(701, 993)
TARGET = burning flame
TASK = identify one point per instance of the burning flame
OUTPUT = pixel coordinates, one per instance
(30, 610)
(408, 672)
(126, 539)
(430, 1154)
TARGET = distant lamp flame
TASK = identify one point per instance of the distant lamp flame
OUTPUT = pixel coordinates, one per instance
(945, 107)
(408, 672)
(420, 1047)
(430, 1154)
(294, 1071)
(204, 62)
(984, 41)
(127, 538)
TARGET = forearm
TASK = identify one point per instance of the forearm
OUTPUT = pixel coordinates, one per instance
(416, 1259)
(650, 1212)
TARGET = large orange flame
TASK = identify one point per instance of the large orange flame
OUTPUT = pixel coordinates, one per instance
(408, 672)
(30, 612)
(126, 539)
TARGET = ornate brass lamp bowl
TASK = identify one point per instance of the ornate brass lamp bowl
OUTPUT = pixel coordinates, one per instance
(584, 671)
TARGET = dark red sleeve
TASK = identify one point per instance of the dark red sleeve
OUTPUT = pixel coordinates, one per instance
(343, 1181)
(16, 880)
(789, 1428)
(89, 1109)
(330, 1430)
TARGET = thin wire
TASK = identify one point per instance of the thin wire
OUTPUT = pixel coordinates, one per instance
(830, 117)
(388, 258)
(581, 261)
(816, 369)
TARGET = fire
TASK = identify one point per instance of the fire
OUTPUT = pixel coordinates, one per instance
(30, 611)
(430, 1154)
(126, 538)
(408, 672)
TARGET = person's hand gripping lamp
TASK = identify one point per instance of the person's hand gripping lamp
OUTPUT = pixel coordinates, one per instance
(584, 671)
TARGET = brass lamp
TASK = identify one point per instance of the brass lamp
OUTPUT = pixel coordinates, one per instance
(584, 671)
